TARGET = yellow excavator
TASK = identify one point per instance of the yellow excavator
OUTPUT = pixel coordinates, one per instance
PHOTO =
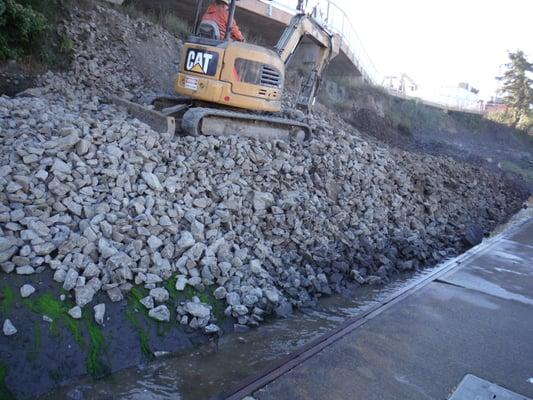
(226, 87)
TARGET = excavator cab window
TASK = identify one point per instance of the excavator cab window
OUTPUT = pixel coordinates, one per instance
(257, 74)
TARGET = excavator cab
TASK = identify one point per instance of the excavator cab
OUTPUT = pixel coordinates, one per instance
(234, 74)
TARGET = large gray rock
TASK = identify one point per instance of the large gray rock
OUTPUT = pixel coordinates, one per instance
(6, 254)
(154, 242)
(233, 299)
(119, 260)
(70, 279)
(160, 295)
(220, 293)
(6, 243)
(152, 181)
(26, 290)
(211, 329)
(185, 242)
(99, 313)
(84, 295)
(25, 270)
(8, 328)
(148, 302)
(106, 249)
(272, 295)
(75, 312)
(198, 310)
(62, 143)
(262, 200)
(181, 282)
(160, 313)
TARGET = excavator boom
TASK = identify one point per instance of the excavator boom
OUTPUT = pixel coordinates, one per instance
(322, 47)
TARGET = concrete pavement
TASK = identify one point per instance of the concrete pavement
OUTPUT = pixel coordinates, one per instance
(475, 319)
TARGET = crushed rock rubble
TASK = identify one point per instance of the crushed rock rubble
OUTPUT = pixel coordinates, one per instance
(106, 204)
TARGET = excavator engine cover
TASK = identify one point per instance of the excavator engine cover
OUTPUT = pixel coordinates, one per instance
(232, 74)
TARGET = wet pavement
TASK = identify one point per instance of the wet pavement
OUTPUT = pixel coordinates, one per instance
(474, 318)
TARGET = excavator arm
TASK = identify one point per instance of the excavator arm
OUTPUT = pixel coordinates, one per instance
(322, 47)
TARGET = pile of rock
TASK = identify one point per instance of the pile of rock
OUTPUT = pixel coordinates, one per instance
(106, 203)
(116, 54)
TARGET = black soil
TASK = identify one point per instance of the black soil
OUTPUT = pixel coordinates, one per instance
(43, 355)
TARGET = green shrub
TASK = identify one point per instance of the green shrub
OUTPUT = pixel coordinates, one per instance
(28, 33)
(525, 122)
(67, 45)
(20, 29)
(499, 116)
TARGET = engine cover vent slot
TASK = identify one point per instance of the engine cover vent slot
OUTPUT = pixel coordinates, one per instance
(270, 77)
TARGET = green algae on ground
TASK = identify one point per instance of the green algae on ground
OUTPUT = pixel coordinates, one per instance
(135, 311)
(217, 306)
(5, 393)
(134, 307)
(57, 310)
(144, 342)
(134, 300)
(170, 285)
(94, 363)
(6, 297)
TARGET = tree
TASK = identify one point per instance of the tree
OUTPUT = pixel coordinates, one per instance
(518, 86)
(20, 28)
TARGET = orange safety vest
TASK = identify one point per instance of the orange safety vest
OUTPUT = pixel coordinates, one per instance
(219, 14)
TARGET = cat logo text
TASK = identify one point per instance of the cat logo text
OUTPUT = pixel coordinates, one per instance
(201, 62)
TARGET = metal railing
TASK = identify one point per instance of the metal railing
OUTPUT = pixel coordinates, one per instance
(331, 16)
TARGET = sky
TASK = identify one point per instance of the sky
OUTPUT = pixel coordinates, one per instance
(440, 43)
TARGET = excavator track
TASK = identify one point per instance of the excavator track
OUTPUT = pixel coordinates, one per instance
(216, 122)
(197, 121)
